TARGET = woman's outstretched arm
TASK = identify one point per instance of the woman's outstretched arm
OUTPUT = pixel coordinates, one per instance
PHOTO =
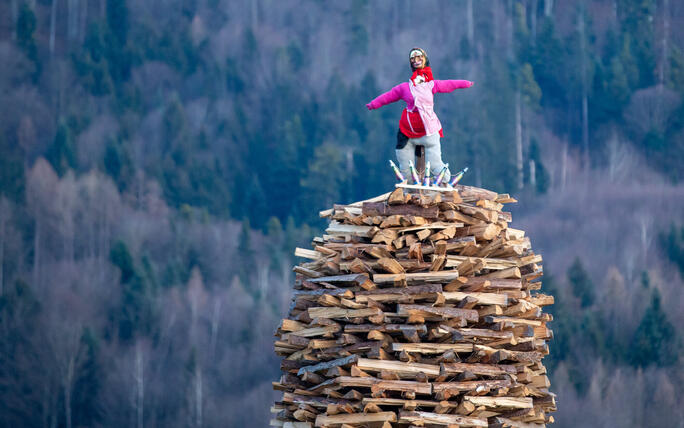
(445, 86)
(394, 94)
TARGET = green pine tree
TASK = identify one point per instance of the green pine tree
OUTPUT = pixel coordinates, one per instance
(118, 164)
(322, 181)
(136, 313)
(245, 251)
(87, 411)
(274, 231)
(12, 179)
(673, 244)
(655, 340)
(62, 153)
(26, 39)
(580, 283)
(541, 176)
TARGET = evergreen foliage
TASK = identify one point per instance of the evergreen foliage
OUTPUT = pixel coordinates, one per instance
(136, 313)
(245, 251)
(655, 340)
(580, 283)
(673, 245)
(12, 180)
(26, 28)
(87, 386)
(62, 153)
(197, 119)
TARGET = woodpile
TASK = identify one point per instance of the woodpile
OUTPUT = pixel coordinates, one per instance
(417, 309)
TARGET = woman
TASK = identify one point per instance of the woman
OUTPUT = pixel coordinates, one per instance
(419, 124)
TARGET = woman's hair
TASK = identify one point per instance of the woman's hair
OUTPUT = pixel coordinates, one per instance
(427, 60)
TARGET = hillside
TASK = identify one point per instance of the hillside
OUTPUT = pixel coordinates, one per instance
(159, 161)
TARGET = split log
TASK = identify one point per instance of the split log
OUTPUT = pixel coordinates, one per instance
(439, 419)
(354, 418)
(432, 277)
(382, 209)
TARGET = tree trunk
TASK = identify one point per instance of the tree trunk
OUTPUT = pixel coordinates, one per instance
(471, 24)
(4, 214)
(36, 253)
(533, 174)
(395, 16)
(583, 69)
(662, 70)
(548, 8)
(67, 391)
(585, 128)
(70, 19)
(262, 278)
(564, 165)
(533, 22)
(215, 318)
(518, 141)
(255, 15)
(53, 407)
(53, 27)
(509, 31)
(48, 405)
(139, 386)
(84, 21)
(73, 19)
(496, 7)
(478, 170)
(45, 405)
(198, 396)
(15, 17)
(645, 226)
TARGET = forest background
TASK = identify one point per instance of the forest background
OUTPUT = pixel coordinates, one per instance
(160, 160)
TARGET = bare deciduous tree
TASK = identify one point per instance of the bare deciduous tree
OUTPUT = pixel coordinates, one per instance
(649, 109)
(197, 298)
(26, 135)
(53, 27)
(139, 376)
(5, 213)
(645, 234)
(621, 159)
(664, 57)
(470, 23)
(581, 29)
(41, 187)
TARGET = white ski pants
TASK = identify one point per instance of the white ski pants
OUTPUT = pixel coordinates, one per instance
(433, 154)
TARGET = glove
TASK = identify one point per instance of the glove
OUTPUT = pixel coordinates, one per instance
(369, 106)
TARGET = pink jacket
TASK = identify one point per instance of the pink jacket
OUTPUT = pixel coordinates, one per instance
(403, 91)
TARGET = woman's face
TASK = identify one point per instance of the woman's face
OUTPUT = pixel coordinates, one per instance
(417, 61)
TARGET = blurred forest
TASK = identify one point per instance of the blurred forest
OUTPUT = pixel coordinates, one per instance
(160, 160)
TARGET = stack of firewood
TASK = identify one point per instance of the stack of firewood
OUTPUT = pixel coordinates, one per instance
(417, 309)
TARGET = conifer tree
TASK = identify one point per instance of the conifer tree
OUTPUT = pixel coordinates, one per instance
(135, 314)
(62, 153)
(26, 27)
(581, 285)
(245, 251)
(673, 243)
(655, 339)
(12, 178)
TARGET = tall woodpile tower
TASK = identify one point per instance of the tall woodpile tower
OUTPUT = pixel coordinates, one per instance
(417, 309)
